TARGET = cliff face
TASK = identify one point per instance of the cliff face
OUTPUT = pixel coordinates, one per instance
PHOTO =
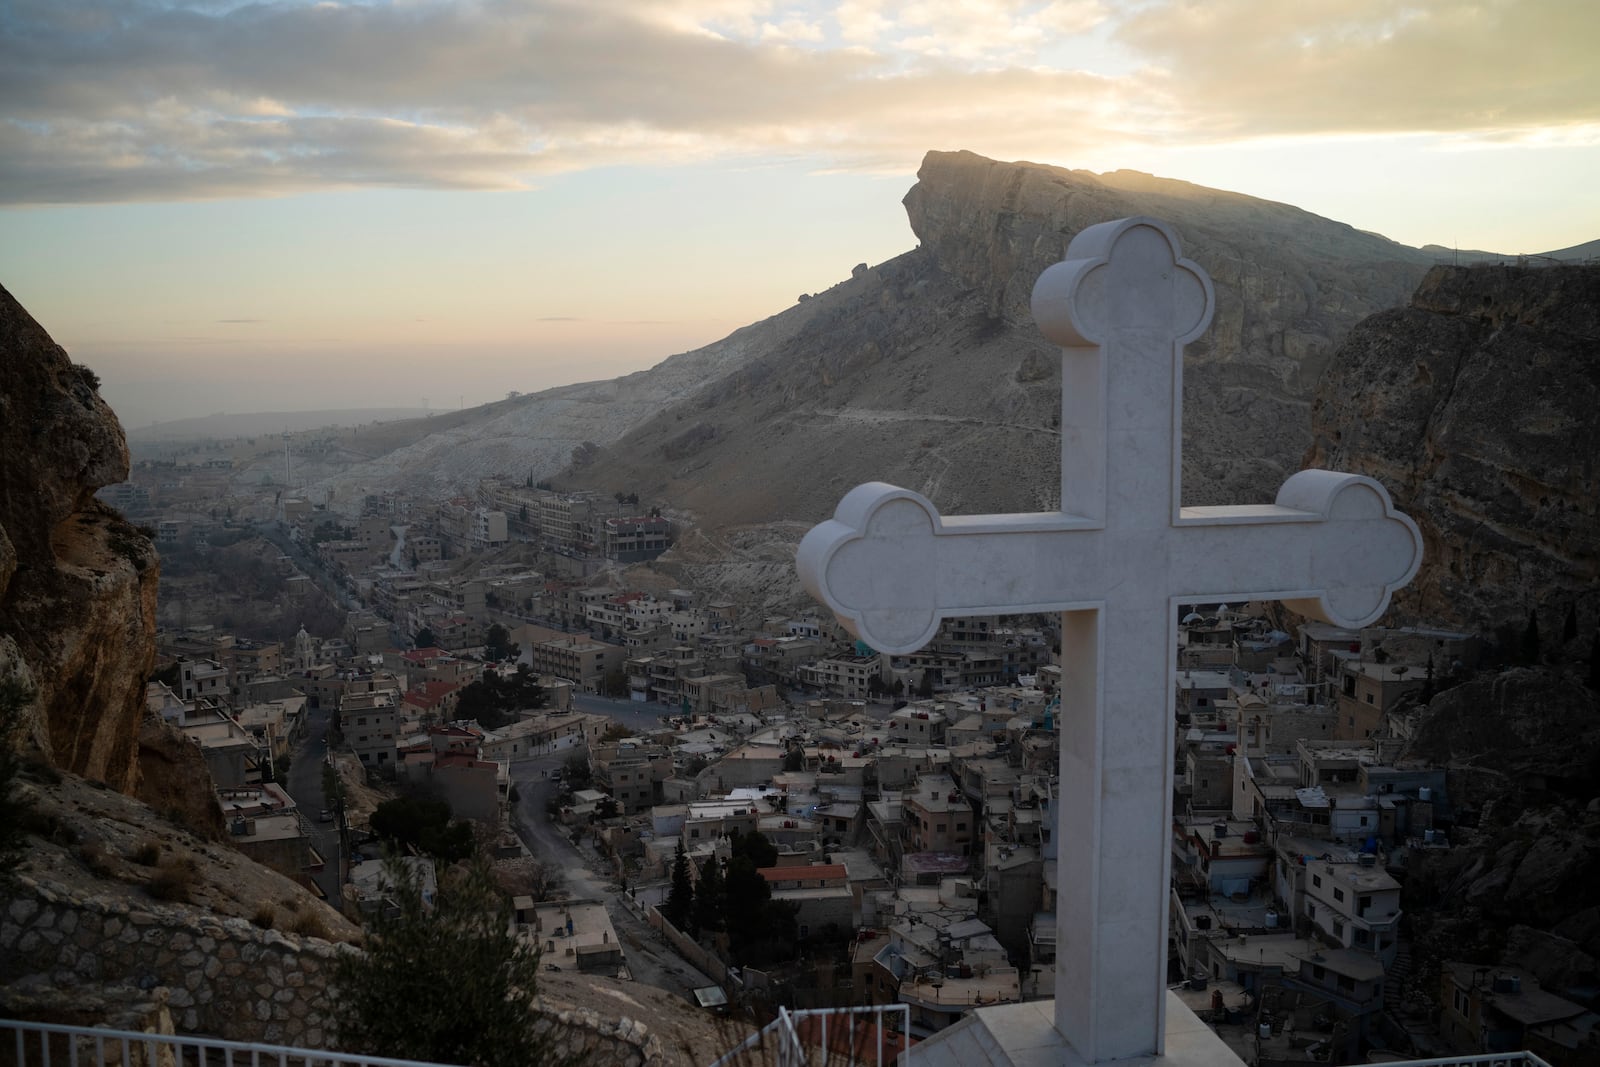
(1476, 405)
(77, 583)
(1289, 285)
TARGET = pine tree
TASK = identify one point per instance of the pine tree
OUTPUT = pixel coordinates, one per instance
(1569, 629)
(708, 898)
(454, 985)
(679, 908)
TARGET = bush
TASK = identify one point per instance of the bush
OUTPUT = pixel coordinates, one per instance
(148, 854)
(265, 915)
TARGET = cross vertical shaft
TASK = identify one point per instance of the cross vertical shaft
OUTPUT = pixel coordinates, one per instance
(1116, 560)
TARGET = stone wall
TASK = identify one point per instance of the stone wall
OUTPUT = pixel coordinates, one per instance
(222, 977)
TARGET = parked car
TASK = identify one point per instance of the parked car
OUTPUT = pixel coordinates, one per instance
(324, 815)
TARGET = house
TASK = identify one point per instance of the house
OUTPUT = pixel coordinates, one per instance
(820, 893)
(1354, 905)
(576, 934)
(370, 722)
(936, 817)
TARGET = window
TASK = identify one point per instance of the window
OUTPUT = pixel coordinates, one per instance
(1316, 880)
(1338, 894)
(1369, 698)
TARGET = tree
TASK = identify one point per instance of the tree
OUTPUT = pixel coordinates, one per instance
(1530, 638)
(575, 773)
(760, 930)
(679, 908)
(423, 823)
(925, 686)
(495, 699)
(454, 986)
(1569, 628)
(498, 646)
(424, 638)
(708, 898)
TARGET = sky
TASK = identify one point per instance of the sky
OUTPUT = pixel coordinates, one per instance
(233, 207)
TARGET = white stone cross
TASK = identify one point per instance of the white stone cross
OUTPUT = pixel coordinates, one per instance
(1117, 560)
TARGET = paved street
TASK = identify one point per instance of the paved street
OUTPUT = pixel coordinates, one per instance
(645, 951)
(304, 785)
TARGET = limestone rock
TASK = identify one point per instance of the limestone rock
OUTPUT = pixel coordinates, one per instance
(1476, 406)
(77, 582)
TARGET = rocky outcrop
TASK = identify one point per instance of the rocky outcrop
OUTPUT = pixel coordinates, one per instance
(77, 582)
(1289, 285)
(1521, 752)
(1476, 405)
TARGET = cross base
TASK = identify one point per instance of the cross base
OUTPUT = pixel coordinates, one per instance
(1024, 1035)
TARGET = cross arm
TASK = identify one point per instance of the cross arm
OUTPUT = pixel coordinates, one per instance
(890, 566)
(1332, 547)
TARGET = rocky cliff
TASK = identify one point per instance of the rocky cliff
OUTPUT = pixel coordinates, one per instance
(77, 583)
(927, 371)
(1476, 405)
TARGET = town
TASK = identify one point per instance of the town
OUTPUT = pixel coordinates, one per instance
(765, 810)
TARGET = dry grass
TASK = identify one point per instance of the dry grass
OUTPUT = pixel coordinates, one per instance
(309, 924)
(173, 881)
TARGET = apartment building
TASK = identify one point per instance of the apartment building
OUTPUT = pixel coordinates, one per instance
(370, 721)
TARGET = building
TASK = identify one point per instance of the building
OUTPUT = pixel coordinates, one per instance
(370, 722)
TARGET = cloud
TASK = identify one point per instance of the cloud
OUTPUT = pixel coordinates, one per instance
(1241, 68)
(160, 99)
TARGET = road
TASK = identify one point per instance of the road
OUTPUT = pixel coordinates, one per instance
(304, 785)
(635, 715)
(310, 566)
(650, 960)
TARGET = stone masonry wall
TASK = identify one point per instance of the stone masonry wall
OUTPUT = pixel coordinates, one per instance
(224, 977)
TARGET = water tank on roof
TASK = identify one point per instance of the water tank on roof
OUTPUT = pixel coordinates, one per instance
(1219, 830)
(1367, 859)
(1425, 793)
(1271, 920)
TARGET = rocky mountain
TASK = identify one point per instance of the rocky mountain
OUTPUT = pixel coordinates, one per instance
(927, 369)
(1476, 405)
(537, 434)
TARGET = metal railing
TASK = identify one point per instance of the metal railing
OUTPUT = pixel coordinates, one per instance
(1486, 1059)
(49, 1045)
(792, 1050)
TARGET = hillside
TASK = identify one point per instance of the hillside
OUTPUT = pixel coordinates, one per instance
(927, 370)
